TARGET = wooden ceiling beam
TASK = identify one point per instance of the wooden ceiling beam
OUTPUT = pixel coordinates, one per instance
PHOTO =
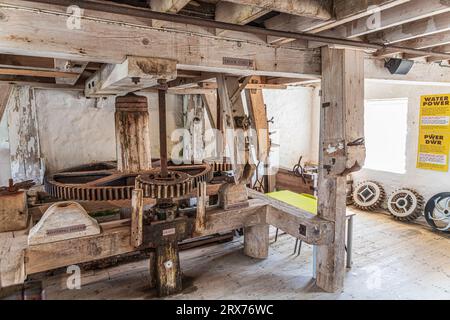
(170, 6)
(405, 13)
(318, 9)
(421, 28)
(444, 48)
(36, 73)
(237, 14)
(76, 67)
(288, 22)
(112, 40)
(433, 42)
(351, 9)
(183, 83)
(134, 74)
(346, 12)
(26, 61)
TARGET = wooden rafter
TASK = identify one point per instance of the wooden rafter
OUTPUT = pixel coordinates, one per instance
(68, 66)
(346, 12)
(405, 13)
(319, 9)
(421, 28)
(171, 6)
(237, 14)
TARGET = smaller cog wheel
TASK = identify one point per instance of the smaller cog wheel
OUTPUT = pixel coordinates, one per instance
(405, 204)
(368, 196)
(437, 212)
(176, 184)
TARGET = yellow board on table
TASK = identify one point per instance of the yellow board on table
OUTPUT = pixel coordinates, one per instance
(302, 201)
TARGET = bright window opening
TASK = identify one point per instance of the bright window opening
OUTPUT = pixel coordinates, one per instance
(386, 130)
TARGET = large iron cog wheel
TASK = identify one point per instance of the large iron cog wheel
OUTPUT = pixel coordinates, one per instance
(405, 204)
(368, 196)
(437, 212)
(102, 182)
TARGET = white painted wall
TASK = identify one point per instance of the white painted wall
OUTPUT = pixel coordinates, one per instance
(297, 116)
(74, 130)
(291, 110)
(425, 182)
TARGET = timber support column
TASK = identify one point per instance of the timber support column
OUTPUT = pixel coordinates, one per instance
(342, 151)
(256, 241)
(132, 134)
(168, 271)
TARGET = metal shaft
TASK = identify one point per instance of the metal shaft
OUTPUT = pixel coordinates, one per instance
(162, 131)
(149, 14)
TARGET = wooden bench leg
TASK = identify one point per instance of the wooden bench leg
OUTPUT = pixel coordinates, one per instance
(256, 241)
(168, 272)
(349, 241)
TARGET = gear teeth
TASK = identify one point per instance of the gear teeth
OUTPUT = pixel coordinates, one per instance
(219, 164)
(83, 192)
(364, 205)
(416, 213)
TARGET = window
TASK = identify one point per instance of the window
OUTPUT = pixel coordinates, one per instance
(385, 130)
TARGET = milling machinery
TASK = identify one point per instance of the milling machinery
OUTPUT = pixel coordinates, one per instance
(154, 189)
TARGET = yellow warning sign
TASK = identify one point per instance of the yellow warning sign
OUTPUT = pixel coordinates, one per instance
(434, 132)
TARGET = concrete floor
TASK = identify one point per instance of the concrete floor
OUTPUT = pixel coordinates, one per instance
(391, 260)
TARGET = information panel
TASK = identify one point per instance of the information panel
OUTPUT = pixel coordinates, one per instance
(434, 132)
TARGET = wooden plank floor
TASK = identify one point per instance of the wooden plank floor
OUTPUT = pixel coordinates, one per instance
(392, 260)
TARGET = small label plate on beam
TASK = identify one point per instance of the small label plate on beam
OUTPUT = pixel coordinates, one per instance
(168, 232)
(238, 62)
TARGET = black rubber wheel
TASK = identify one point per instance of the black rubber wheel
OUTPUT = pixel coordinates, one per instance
(430, 207)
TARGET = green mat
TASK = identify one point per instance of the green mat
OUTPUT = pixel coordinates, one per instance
(302, 201)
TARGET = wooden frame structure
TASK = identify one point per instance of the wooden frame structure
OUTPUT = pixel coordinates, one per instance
(101, 64)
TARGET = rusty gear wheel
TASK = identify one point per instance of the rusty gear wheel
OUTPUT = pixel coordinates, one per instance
(176, 184)
(368, 196)
(405, 204)
(102, 182)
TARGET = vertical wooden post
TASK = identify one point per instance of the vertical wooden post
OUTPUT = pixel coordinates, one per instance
(220, 139)
(200, 219)
(236, 125)
(132, 134)
(152, 269)
(258, 115)
(342, 151)
(256, 241)
(168, 272)
(162, 131)
(5, 93)
(137, 217)
(24, 145)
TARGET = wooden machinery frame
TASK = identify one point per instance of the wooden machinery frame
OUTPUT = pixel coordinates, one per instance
(151, 60)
